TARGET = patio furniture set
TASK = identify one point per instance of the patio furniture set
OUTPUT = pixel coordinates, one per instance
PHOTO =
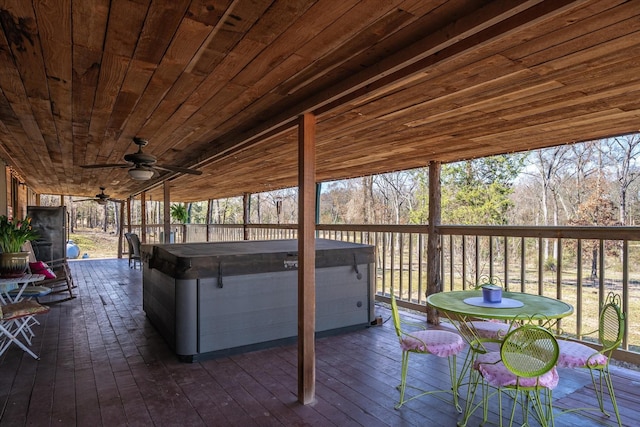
(514, 350)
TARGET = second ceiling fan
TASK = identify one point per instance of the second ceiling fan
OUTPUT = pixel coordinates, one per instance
(101, 198)
(143, 166)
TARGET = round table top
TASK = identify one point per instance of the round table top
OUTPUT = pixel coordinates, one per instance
(533, 306)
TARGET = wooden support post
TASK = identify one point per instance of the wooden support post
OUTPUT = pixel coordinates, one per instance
(143, 214)
(246, 214)
(208, 220)
(166, 213)
(121, 231)
(306, 259)
(129, 215)
(434, 280)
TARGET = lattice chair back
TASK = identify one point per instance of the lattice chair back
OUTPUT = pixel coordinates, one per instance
(611, 325)
(525, 366)
(529, 351)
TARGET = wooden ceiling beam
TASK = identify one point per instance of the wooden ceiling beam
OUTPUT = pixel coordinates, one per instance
(481, 26)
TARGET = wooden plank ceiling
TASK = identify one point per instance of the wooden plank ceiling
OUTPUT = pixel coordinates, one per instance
(217, 85)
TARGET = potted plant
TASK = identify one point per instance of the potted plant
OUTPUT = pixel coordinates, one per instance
(14, 234)
(179, 213)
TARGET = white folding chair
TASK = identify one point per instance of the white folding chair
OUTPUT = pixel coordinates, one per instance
(14, 318)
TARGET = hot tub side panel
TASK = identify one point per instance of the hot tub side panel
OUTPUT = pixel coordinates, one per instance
(261, 308)
(247, 310)
(158, 302)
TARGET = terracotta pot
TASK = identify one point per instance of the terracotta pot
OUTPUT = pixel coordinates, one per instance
(13, 264)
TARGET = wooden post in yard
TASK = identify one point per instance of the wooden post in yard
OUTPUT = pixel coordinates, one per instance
(434, 281)
(306, 258)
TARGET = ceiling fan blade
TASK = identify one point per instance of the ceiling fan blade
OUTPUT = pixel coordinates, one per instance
(86, 200)
(107, 165)
(178, 169)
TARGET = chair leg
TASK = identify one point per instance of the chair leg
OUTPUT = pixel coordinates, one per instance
(69, 279)
(470, 406)
(403, 378)
(454, 381)
(612, 396)
(543, 406)
(603, 375)
(12, 337)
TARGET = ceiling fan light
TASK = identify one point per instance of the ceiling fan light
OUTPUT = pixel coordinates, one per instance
(102, 201)
(141, 173)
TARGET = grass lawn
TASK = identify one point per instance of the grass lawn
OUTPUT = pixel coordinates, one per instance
(95, 243)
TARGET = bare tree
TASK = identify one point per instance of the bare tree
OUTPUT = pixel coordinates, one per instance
(622, 152)
(367, 200)
(549, 164)
(397, 191)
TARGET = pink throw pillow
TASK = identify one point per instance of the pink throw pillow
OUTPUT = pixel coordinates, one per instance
(42, 268)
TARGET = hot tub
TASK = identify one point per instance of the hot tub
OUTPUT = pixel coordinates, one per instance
(212, 299)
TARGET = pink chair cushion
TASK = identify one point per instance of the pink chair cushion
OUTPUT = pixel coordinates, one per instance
(440, 343)
(497, 375)
(576, 355)
(489, 329)
(40, 267)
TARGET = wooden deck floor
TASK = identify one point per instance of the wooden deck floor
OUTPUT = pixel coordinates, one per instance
(103, 364)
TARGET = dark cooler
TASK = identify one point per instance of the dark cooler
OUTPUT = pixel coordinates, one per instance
(211, 299)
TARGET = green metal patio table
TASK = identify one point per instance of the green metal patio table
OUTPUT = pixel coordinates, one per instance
(453, 304)
(464, 308)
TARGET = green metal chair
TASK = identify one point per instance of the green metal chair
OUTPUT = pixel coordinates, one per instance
(577, 355)
(420, 340)
(524, 369)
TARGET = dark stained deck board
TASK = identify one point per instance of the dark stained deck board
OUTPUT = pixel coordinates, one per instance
(103, 364)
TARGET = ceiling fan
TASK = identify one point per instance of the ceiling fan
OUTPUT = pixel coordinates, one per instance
(101, 198)
(143, 166)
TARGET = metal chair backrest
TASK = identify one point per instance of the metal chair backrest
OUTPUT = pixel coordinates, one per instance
(611, 324)
(396, 316)
(529, 351)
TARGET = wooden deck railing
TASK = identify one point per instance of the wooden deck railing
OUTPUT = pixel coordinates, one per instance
(579, 265)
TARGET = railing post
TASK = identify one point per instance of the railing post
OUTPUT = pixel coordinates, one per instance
(490, 257)
(477, 249)
(464, 261)
(601, 269)
(625, 292)
(506, 263)
(523, 264)
(540, 267)
(579, 290)
(452, 264)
